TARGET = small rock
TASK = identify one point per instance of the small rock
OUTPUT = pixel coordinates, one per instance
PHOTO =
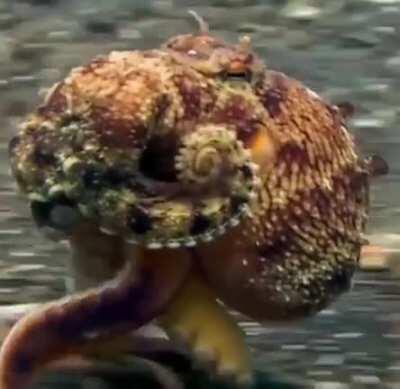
(300, 10)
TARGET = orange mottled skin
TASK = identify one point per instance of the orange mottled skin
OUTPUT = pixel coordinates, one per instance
(198, 147)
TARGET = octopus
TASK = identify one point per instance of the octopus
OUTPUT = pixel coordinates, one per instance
(190, 180)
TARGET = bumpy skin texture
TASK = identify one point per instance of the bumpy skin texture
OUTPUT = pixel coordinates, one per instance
(199, 145)
(300, 248)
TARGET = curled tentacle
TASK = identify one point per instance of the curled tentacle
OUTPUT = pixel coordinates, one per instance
(132, 299)
(203, 25)
(215, 167)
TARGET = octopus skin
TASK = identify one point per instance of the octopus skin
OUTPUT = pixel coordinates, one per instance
(211, 181)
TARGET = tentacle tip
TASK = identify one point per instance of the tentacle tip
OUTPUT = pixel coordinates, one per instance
(204, 28)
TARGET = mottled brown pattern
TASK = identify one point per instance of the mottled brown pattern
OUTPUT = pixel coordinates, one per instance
(313, 209)
(198, 145)
(272, 100)
(238, 113)
(197, 100)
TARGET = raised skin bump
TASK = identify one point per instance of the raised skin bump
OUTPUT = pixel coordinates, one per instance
(135, 297)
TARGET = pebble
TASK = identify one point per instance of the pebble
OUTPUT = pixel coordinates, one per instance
(301, 10)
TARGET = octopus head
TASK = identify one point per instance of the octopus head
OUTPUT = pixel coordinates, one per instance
(214, 57)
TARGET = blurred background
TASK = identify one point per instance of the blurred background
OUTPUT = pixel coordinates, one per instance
(344, 50)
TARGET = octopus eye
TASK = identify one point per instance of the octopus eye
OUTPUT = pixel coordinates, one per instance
(245, 75)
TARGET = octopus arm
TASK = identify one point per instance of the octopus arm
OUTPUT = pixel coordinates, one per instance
(127, 302)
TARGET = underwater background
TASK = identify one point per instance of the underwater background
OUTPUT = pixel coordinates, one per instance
(344, 50)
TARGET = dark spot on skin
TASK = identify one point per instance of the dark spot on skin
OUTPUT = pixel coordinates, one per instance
(117, 176)
(237, 202)
(247, 172)
(43, 157)
(12, 145)
(247, 130)
(273, 90)
(292, 152)
(140, 222)
(272, 100)
(239, 114)
(93, 177)
(96, 177)
(200, 224)
(273, 252)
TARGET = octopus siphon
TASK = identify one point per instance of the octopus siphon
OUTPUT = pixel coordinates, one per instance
(190, 180)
